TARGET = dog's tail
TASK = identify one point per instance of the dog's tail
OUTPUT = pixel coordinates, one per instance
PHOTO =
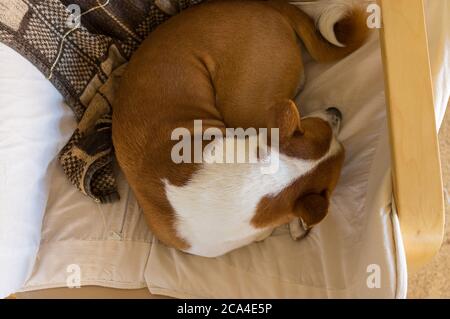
(340, 27)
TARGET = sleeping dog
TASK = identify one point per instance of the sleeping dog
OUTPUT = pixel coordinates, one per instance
(230, 64)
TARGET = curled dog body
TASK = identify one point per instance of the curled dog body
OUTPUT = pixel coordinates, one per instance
(230, 64)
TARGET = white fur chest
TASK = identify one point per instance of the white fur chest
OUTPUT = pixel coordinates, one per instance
(214, 209)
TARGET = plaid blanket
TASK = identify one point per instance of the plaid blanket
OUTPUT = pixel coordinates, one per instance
(82, 46)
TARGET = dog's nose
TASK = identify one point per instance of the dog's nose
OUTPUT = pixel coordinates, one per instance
(335, 112)
(334, 118)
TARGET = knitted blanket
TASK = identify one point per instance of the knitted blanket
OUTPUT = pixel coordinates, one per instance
(82, 46)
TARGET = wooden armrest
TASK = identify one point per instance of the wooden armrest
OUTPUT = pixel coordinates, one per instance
(417, 177)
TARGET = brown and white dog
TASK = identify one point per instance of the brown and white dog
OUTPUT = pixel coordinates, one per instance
(230, 64)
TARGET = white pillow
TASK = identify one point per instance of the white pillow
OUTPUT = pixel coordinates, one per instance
(31, 117)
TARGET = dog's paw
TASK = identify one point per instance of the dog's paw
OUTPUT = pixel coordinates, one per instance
(297, 230)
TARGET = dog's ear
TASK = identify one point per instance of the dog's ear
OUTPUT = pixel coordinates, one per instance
(286, 118)
(312, 208)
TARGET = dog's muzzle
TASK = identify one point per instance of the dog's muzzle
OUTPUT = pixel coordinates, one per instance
(334, 117)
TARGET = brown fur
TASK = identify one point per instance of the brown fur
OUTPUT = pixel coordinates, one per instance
(230, 64)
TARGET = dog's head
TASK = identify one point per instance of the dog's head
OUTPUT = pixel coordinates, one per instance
(310, 146)
(320, 143)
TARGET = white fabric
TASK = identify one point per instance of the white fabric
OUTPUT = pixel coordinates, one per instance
(111, 243)
(31, 113)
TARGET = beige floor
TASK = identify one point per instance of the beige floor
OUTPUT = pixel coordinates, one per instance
(433, 281)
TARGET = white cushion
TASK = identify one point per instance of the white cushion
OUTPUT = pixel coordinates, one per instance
(31, 111)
